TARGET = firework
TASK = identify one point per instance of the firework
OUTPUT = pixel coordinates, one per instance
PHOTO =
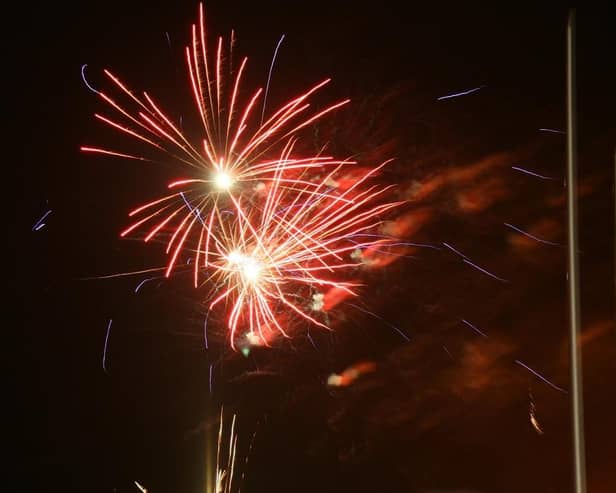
(233, 157)
(268, 264)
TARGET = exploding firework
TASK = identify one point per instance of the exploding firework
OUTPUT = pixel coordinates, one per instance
(270, 231)
(233, 158)
(269, 263)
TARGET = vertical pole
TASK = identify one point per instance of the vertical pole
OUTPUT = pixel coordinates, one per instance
(573, 267)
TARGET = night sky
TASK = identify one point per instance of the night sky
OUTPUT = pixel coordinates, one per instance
(446, 410)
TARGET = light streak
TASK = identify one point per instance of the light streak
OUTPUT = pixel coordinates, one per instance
(454, 250)
(474, 328)
(532, 173)
(85, 81)
(146, 280)
(463, 93)
(493, 276)
(399, 331)
(541, 377)
(269, 77)
(141, 488)
(525, 233)
(552, 130)
(105, 346)
(466, 260)
(40, 224)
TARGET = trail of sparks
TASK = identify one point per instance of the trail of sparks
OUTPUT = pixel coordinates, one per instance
(226, 480)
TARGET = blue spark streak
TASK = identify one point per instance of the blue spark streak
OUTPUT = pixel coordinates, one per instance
(39, 224)
(552, 130)
(531, 236)
(85, 81)
(105, 347)
(541, 377)
(543, 177)
(382, 320)
(269, 76)
(474, 328)
(494, 276)
(463, 93)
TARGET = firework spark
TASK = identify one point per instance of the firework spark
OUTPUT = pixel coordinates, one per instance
(231, 160)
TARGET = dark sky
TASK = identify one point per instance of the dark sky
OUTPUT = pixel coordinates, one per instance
(447, 410)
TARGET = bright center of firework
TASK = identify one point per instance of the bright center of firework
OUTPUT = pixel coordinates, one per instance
(223, 180)
(248, 267)
(251, 269)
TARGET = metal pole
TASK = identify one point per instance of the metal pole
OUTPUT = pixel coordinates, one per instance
(574, 283)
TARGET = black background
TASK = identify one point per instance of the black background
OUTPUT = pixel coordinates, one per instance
(424, 421)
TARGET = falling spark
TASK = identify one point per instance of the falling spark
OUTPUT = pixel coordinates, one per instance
(352, 373)
(541, 377)
(447, 351)
(466, 260)
(493, 276)
(474, 328)
(85, 81)
(454, 250)
(543, 177)
(532, 416)
(554, 131)
(399, 331)
(146, 280)
(40, 224)
(143, 490)
(525, 233)
(105, 346)
(207, 315)
(269, 77)
(463, 93)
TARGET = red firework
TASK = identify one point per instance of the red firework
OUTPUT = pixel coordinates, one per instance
(269, 262)
(231, 160)
(271, 233)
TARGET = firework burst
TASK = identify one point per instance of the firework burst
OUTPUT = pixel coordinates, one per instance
(231, 160)
(269, 262)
